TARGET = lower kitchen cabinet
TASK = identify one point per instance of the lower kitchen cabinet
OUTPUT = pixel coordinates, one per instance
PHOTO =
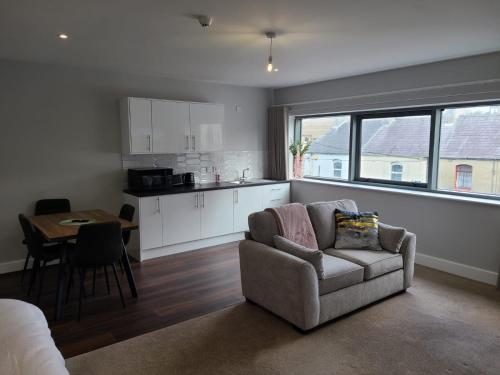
(246, 201)
(150, 219)
(181, 219)
(184, 221)
(216, 212)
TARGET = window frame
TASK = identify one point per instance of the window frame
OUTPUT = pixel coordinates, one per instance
(408, 113)
(400, 173)
(298, 136)
(433, 160)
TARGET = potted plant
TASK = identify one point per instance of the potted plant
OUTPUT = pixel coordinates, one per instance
(298, 150)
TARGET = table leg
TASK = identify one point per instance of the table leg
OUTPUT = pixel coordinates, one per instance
(61, 281)
(128, 272)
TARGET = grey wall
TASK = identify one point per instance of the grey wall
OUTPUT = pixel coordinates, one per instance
(459, 231)
(466, 79)
(60, 135)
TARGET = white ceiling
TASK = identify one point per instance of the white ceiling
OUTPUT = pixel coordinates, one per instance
(317, 39)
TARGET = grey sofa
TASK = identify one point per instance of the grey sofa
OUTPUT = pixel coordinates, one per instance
(289, 286)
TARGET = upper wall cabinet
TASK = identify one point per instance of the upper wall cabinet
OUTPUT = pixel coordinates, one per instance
(151, 126)
(171, 128)
(207, 121)
(137, 133)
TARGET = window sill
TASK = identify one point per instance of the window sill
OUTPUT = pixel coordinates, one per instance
(426, 194)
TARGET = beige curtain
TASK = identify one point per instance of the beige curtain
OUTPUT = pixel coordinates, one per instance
(277, 143)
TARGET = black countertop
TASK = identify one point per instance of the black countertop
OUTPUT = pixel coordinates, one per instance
(202, 187)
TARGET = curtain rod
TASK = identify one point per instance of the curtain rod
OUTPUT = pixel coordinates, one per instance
(392, 92)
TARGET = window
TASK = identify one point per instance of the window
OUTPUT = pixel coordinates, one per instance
(453, 149)
(388, 141)
(397, 172)
(463, 177)
(337, 168)
(470, 146)
(329, 138)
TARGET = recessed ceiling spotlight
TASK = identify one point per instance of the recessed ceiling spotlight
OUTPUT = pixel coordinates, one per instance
(63, 36)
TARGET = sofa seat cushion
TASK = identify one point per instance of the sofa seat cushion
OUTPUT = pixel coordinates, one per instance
(375, 262)
(339, 273)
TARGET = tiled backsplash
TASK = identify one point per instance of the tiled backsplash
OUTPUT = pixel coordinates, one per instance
(229, 164)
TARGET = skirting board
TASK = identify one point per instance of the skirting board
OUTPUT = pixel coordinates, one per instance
(188, 246)
(459, 269)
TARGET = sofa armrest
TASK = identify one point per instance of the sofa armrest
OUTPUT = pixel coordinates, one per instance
(280, 282)
(408, 249)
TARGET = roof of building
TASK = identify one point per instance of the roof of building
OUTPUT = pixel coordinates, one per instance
(471, 136)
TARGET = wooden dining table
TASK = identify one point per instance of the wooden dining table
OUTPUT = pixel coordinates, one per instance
(62, 227)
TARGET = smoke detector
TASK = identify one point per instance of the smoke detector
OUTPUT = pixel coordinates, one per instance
(205, 21)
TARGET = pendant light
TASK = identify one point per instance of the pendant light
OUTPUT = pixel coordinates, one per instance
(270, 35)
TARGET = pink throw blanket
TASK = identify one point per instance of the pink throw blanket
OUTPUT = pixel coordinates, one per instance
(294, 224)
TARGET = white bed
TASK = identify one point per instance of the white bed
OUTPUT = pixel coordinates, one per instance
(26, 346)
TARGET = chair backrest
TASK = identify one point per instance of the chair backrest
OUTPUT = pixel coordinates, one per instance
(127, 213)
(33, 239)
(52, 206)
(99, 244)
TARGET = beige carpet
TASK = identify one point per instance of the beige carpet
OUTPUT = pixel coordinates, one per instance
(442, 325)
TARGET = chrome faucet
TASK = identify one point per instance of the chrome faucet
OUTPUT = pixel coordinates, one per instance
(244, 177)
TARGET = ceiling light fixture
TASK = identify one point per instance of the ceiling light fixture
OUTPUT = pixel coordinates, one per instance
(270, 35)
(63, 36)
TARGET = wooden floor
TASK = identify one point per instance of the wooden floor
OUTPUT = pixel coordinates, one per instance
(171, 289)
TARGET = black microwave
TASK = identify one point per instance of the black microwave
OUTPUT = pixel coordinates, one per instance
(144, 179)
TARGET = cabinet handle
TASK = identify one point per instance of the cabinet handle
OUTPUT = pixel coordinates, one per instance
(193, 140)
(196, 200)
(202, 200)
(187, 143)
(275, 189)
(236, 197)
(274, 200)
(149, 142)
(158, 203)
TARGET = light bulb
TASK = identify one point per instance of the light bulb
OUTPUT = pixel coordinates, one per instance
(270, 67)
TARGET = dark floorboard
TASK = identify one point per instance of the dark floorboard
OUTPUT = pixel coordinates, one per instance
(171, 289)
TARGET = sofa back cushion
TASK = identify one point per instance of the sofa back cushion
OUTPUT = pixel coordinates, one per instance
(263, 227)
(322, 215)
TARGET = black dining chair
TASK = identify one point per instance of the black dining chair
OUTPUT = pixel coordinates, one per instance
(39, 251)
(127, 213)
(52, 206)
(45, 207)
(97, 245)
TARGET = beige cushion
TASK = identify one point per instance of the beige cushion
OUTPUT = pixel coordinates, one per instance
(391, 238)
(322, 215)
(262, 227)
(339, 273)
(315, 257)
(375, 262)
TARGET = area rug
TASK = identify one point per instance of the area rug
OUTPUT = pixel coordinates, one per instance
(442, 325)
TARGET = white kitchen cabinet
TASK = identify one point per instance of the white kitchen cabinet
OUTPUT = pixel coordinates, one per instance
(171, 127)
(216, 212)
(162, 126)
(207, 123)
(246, 201)
(275, 195)
(150, 219)
(137, 131)
(181, 218)
(187, 221)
